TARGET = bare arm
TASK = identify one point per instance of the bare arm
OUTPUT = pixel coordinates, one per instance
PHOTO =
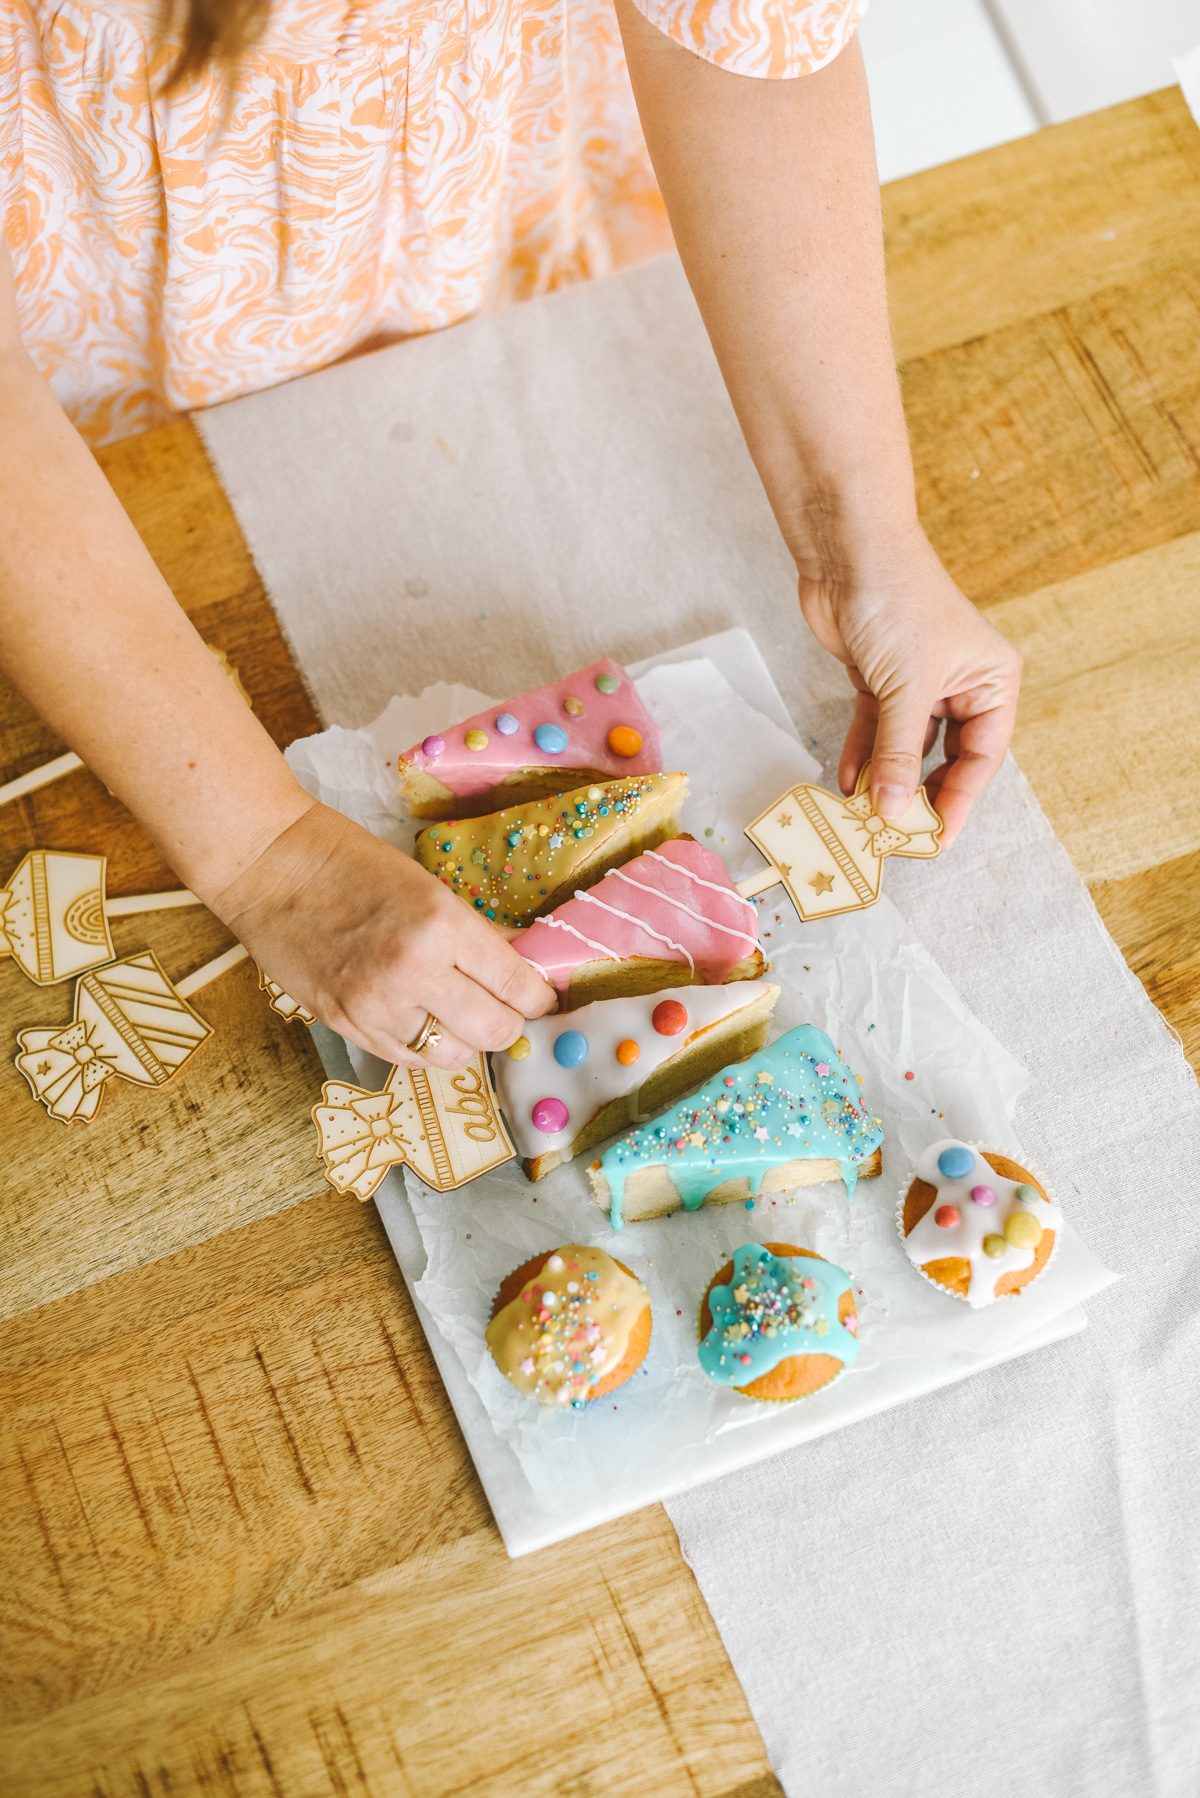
(93, 637)
(773, 196)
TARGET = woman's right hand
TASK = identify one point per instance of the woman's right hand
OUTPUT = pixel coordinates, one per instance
(359, 933)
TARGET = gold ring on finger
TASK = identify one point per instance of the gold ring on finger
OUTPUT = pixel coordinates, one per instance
(427, 1037)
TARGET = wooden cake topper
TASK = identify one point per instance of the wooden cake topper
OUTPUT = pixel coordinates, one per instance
(130, 1023)
(289, 1009)
(444, 1124)
(54, 914)
(70, 763)
(829, 852)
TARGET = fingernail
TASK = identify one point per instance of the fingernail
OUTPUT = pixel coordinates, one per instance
(891, 802)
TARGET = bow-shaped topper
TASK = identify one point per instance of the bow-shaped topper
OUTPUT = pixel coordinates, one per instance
(829, 852)
(443, 1123)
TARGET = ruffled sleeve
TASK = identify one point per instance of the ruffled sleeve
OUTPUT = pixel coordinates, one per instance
(772, 39)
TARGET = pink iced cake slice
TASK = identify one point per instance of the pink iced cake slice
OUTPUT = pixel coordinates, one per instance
(589, 726)
(671, 917)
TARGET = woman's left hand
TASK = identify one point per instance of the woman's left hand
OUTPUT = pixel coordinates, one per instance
(917, 652)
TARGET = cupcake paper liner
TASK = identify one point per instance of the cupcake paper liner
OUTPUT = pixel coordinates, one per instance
(979, 1149)
(753, 1397)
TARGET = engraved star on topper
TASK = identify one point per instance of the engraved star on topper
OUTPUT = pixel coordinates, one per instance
(848, 833)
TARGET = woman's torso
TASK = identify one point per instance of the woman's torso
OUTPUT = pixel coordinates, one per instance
(379, 169)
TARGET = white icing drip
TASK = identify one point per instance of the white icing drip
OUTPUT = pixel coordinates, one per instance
(638, 923)
(712, 885)
(688, 910)
(560, 924)
(929, 1241)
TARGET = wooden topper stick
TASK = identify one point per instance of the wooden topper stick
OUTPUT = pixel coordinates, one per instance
(444, 1124)
(828, 852)
(55, 909)
(39, 777)
(70, 763)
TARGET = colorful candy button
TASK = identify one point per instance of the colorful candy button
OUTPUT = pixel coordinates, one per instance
(956, 1161)
(669, 1017)
(520, 1049)
(624, 741)
(570, 1048)
(983, 1195)
(607, 683)
(433, 747)
(628, 1052)
(476, 740)
(1022, 1230)
(995, 1246)
(946, 1216)
(550, 737)
(573, 707)
(550, 1116)
(507, 724)
(1027, 1195)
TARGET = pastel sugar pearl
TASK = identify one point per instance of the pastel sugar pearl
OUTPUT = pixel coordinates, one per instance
(476, 740)
(623, 740)
(956, 1161)
(669, 1017)
(433, 747)
(946, 1216)
(550, 1116)
(550, 737)
(606, 683)
(1027, 1195)
(507, 725)
(983, 1195)
(1023, 1231)
(570, 1049)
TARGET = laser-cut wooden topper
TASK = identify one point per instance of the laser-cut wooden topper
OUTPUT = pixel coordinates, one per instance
(54, 914)
(828, 851)
(130, 1022)
(443, 1124)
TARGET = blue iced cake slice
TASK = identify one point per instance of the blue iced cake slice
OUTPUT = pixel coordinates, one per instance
(791, 1115)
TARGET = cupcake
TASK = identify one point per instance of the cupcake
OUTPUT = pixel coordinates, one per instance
(569, 1327)
(777, 1322)
(975, 1223)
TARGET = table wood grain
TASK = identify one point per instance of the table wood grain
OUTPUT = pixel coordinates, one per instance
(244, 1549)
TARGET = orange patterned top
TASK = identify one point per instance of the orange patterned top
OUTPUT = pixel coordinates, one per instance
(382, 168)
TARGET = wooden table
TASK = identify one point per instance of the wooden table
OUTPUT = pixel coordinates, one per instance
(243, 1546)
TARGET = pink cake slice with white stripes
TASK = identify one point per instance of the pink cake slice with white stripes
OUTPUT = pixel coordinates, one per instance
(671, 917)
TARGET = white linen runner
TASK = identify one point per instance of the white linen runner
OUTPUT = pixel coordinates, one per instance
(994, 1590)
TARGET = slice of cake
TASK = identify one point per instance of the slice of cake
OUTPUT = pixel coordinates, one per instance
(571, 1082)
(669, 918)
(792, 1115)
(589, 726)
(516, 864)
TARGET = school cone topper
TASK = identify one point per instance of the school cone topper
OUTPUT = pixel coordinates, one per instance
(444, 1124)
(130, 1023)
(54, 914)
(828, 852)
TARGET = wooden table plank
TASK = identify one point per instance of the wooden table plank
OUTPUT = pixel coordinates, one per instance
(245, 1549)
(1039, 223)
